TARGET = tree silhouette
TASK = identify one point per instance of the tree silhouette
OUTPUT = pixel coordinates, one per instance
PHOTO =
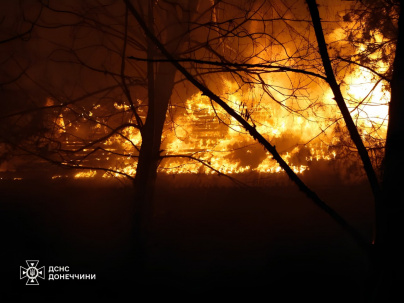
(125, 60)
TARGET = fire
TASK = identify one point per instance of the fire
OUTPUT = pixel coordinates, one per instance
(205, 133)
(371, 111)
(201, 138)
(86, 174)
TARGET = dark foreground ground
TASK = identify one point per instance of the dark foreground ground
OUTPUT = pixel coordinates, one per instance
(208, 242)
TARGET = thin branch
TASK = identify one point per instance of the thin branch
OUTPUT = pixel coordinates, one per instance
(125, 86)
(238, 182)
(274, 68)
(62, 105)
(113, 132)
(72, 166)
(383, 77)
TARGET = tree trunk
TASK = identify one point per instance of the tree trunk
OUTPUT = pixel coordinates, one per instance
(160, 87)
(149, 156)
(389, 252)
(339, 99)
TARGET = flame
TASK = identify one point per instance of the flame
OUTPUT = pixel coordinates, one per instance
(86, 174)
(206, 133)
(201, 138)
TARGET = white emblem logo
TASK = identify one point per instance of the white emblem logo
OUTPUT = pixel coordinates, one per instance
(32, 272)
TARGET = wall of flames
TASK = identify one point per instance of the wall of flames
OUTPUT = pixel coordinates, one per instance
(198, 131)
(200, 138)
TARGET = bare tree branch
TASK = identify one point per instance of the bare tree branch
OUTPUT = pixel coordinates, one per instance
(263, 68)
(339, 99)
